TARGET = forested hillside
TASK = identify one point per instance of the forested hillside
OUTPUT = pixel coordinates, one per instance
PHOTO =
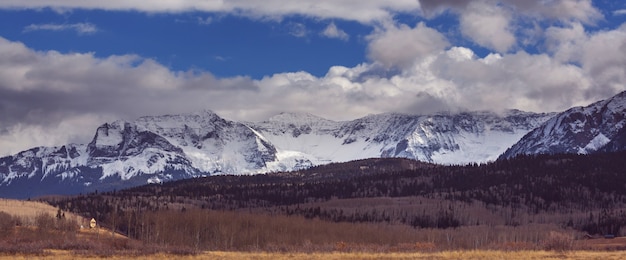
(582, 192)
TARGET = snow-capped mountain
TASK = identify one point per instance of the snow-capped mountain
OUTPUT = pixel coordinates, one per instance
(170, 147)
(598, 127)
(442, 138)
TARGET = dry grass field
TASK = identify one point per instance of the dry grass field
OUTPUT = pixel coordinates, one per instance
(100, 243)
(28, 209)
(618, 243)
(479, 254)
(434, 255)
(31, 209)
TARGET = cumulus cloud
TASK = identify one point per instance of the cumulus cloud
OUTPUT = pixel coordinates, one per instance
(564, 43)
(520, 80)
(332, 31)
(80, 28)
(498, 24)
(601, 55)
(400, 46)
(488, 25)
(563, 10)
(604, 59)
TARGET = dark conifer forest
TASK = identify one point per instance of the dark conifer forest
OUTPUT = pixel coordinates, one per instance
(586, 193)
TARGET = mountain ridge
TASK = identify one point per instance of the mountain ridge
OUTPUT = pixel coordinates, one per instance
(581, 130)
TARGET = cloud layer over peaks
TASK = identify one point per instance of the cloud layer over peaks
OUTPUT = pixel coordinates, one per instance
(531, 55)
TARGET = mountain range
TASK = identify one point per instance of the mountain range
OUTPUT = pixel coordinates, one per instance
(154, 149)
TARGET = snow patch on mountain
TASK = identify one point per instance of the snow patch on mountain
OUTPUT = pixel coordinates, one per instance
(442, 138)
(595, 144)
(478, 148)
(149, 161)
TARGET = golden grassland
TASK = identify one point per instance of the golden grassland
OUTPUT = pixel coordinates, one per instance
(102, 243)
(26, 209)
(469, 254)
(31, 209)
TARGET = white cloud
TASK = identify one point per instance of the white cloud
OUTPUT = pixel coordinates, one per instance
(562, 10)
(488, 25)
(604, 59)
(365, 11)
(619, 12)
(332, 31)
(44, 89)
(519, 80)
(567, 10)
(401, 46)
(298, 30)
(19, 137)
(564, 43)
(602, 55)
(221, 58)
(501, 25)
(80, 28)
(204, 21)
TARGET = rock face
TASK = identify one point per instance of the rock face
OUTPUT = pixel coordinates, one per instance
(598, 127)
(161, 148)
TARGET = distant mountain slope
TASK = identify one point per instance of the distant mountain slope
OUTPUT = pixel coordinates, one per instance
(171, 147)
(581, 130)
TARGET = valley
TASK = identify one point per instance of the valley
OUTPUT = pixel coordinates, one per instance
(525, 201)
(186, 185)
(548, 206)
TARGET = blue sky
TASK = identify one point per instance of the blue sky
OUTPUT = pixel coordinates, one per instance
(67, 66)
(226, 45)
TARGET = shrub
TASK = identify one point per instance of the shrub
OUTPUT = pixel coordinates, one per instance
(557, 241)
(67, 225)
(44, 222)
(7, 223)
(22, 248)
